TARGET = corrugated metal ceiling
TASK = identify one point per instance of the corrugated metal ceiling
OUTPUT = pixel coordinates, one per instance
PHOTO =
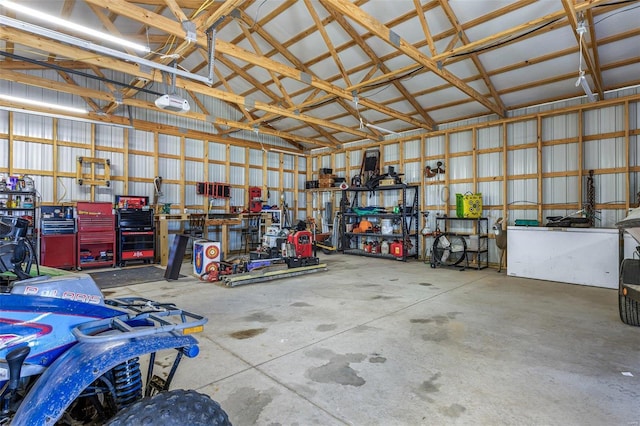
(293, 69)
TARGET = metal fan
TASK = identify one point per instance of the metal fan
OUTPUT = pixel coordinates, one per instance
(448, 250)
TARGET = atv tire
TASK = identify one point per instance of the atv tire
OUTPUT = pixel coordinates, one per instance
(176, 407)
(629, 308)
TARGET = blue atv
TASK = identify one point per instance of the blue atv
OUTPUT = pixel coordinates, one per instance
(68, 356)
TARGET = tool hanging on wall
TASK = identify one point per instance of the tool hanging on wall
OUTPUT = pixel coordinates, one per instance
(433, 171)
(590, 206)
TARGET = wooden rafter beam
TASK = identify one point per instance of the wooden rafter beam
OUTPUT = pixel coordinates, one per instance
(384, 33)
(281, 87)
(474, 57)
(380, 65)
(107, 119)
(425, 28)
(72, 88)
(570, 10)
(221, 11)
(177, 11)
(327, 42)
(144, 16)
(135, 70)
(109, 25)
(66, 77)
(512, 32)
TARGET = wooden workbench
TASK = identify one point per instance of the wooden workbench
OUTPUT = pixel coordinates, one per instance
(163, 230)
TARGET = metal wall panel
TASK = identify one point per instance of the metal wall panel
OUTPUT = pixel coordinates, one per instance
(490, 137)
(411, 149)
(255, 157)
(32, 156)
(273, 178)
(238, 197)
(461, 168)
(109, 136)
(489, 165)
(391, 153)
(434, 146)
(194, 148)
(193, 199)
(288, 180)
(288, 161)
(142, 189)
(562, 126)
(169, 144)
(523, 214)
(603, 120)
(193, 171)
(44, 186)
(4, 148)
(558, 158)
(302, 164)
(491, 194)
(67, 158)
(236, 175)
(460, 141)
(302, 179)
(171, 193)
(412, 173)
(604, 153)
(74, 131)
(4, 121)
(273, 159)
(325, 162)
(356, 159)
(168, 168)
(560, 190)
(216, 173)
(255, 177)
(520, 133)
(217, 151)
(141, 166)
(433, 194)
(117, 162)
(609, 188)
(522, 191)
(522, 161)
(237, 154)
(34, 126)
(142, 141)
(67, 190)
(340, 161)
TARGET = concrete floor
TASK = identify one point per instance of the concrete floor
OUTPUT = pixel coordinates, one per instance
(380, 342)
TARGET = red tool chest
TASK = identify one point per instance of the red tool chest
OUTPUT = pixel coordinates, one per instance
(96, 234)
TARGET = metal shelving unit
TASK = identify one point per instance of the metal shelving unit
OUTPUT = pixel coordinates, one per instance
(12, 203)
(408, 217)
(479, 231)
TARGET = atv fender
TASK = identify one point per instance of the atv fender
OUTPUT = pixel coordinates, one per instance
(76, 369)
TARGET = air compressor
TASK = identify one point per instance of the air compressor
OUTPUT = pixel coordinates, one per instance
(298, 250)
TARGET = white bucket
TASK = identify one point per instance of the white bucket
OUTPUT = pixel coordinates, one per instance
(386, 226)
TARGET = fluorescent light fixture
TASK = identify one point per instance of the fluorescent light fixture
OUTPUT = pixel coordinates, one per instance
(299, 154)
(72, 26)
(582, 81)
(84, 44)
(42, 104)
(64, 117)
(382, 129)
